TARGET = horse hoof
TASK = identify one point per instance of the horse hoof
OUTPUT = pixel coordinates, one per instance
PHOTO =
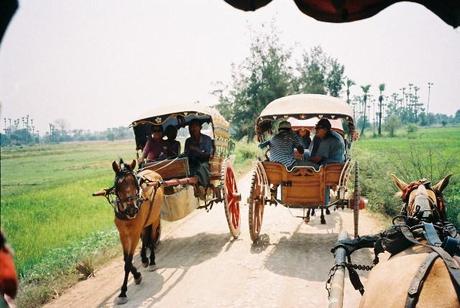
(152, 268)
(121, 300)
(138, 280)
(145, 264)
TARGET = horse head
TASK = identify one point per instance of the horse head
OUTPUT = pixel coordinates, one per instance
(127, 190)
(423, 201)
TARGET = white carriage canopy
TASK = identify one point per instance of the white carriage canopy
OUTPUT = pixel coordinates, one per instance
(179, 116)
(303, 107)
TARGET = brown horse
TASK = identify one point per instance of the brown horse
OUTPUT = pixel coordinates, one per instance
(137, 204)
(390, 281)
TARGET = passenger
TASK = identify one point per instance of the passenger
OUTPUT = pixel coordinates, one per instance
(154, 148)
(172, 145)
(199, 149)
(304, 135)
(282, 146)
(328, 146)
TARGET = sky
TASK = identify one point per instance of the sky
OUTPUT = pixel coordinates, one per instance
(102, 63)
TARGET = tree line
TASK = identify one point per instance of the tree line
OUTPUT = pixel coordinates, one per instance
(22, 131)
(270, 71)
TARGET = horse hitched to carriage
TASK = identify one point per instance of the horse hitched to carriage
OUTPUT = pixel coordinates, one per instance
(166, 188)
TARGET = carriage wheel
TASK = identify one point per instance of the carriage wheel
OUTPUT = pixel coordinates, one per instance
(231, 199)
(356, 198)
(256, 204)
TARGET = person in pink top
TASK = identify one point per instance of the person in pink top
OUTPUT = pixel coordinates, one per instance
(155, 148)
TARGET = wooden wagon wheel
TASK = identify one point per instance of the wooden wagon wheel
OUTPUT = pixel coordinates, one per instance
(356, 198)
(231, 199)
(256, 202)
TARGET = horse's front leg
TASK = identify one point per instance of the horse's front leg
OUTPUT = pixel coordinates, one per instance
(122, 298)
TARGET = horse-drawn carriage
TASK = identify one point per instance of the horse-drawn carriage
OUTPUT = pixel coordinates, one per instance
(304, 187)
(166, 188)
(179, 183)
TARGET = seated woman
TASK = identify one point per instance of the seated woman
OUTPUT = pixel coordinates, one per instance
(172, 145)
(199, 149)
(155, 147)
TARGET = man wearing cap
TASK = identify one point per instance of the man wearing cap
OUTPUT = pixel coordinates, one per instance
(199, 149)
(282, 146)
(327, 145)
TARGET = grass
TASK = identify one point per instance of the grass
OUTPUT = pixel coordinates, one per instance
(430, 153)
(48, 214)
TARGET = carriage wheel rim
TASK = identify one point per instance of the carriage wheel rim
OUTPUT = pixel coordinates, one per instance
(232, 207)
(256, 205)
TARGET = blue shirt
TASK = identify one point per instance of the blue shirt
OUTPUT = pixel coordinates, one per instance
(331, 148)
(282, 147)
(205, 145)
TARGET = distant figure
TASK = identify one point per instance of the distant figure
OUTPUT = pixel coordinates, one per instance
(282, 146)
(172, 145)
(154, 149)
(199, 149)
(328, 146)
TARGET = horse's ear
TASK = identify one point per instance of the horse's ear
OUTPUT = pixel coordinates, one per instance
(115, 167)
(399, 183)
(133, 164)
(441, 185)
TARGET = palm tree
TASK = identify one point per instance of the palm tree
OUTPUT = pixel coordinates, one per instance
(365, 95)
(381, 89)
(349, 84)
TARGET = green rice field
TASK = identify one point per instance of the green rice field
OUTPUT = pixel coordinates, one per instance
(47, 210)
(429, 153)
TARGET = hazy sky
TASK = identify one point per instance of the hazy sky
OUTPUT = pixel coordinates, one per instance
(101, 63)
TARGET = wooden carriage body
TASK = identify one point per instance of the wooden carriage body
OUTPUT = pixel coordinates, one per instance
(305, 186)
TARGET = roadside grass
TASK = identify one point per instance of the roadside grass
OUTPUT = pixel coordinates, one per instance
(430, 153)
(245, 154)
(49, 216)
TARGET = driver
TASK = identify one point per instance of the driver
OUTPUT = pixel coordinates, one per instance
(199, 149)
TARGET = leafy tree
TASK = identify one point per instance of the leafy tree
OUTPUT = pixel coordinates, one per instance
(392, 124)
(335, 76)
(262, 77)
(457, 117)
(319, 74)
(266, 75)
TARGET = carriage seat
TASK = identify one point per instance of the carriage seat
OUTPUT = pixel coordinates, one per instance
(170, 168)
(303, 185)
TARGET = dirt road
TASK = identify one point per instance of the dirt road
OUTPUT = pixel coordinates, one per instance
(200, 266)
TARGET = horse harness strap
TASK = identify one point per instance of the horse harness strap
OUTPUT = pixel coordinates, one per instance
(451, 265)
(418, 280)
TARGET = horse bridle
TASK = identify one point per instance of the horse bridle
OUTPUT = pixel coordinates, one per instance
(126, 209)
(418, 212)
